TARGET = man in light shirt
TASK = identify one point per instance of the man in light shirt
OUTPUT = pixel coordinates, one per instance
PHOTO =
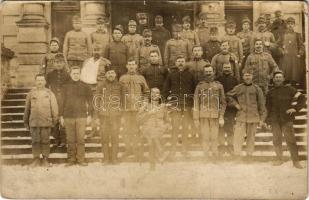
(93, 71)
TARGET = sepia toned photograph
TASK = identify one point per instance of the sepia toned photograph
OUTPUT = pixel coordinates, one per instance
(154, 99)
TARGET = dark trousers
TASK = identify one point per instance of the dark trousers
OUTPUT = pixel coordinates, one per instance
(40, 141)
(285, 129)
(58, 132)
(75, 128)
(226, 133)
(181, 119)
(109, 128)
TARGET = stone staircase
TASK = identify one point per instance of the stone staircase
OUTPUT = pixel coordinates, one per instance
(16, 140)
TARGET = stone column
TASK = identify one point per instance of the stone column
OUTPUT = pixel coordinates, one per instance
(90, 11)
(215, 14)
(32, 42)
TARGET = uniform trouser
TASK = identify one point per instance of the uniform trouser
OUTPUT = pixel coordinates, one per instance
(40, 141)
(181, 119)
(284, 128)
(241, 130)
(209, 128)
(75, 128)
(228, 130)
(109, 128)
(93, 124)
(78, 63)
(130, 132)
(58, 133)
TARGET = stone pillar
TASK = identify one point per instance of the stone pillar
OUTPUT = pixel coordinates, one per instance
(32, 42)
(215, 14)
(90, 11)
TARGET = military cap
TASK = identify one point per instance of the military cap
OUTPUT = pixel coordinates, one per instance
(246, 20)
(291, 20)
(176, 28)
(213, 30)
(230, 24)
(180, 56)
(119, 27)
(186, 19)
(55, 39)
(261, 20)
(109, 68)
(132, 23)
(202, 15)
(159, 19)
(278, 72)
(247, 71)
(100, 20)
(141, 15)
(278, 13)
(267, 16)
(76, 18)
(147, 33)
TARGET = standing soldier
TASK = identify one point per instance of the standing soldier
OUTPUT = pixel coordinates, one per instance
(228, 82)
(54, 81)
(234, 42)
(278, 27)
(225, 57)
(77, 44)
(292, 62)
(178, 90)
(75, 112)
(100, 37)
(145, 49)
(203, 30)
(175, 47)
(197, 63)
(281, 113)
(143, 22)
(249, 100)
(117, 52)
(267, 37)
(262, 64)
(209, 108)
(41, 114)
(245, 37)
(160, 35)
(108, 111)
(134, 91)
(133, 40)
(49, 58)
(189, 34)
(155, 74)
(212, 46)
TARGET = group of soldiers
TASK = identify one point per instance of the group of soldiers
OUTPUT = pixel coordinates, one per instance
(195, 84)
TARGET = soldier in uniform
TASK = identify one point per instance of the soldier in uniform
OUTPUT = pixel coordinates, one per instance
(208, 111)
(175, 47)
(189, 34)
(249, 101)
(54, 81)
(234, 42)
(197, 63)
(77, 44)
(225, 57)
(281, 114)
(212, 46)
(145, 49)
(41, 114)
(178, 91)
(262, 64)
(143, 22)
(203, 30)
(117, 52)
(133, 40)
(155, 74)
(48, 59)
(100, 37)
(278, 27)
(267, 37)
(245, 37)
(160, 35)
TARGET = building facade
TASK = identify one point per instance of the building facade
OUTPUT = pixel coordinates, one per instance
(27, 27)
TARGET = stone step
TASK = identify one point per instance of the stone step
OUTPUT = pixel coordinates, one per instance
(18, 90)
(13, 109)
(21, 95)
(11, 116)
(13, 102)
